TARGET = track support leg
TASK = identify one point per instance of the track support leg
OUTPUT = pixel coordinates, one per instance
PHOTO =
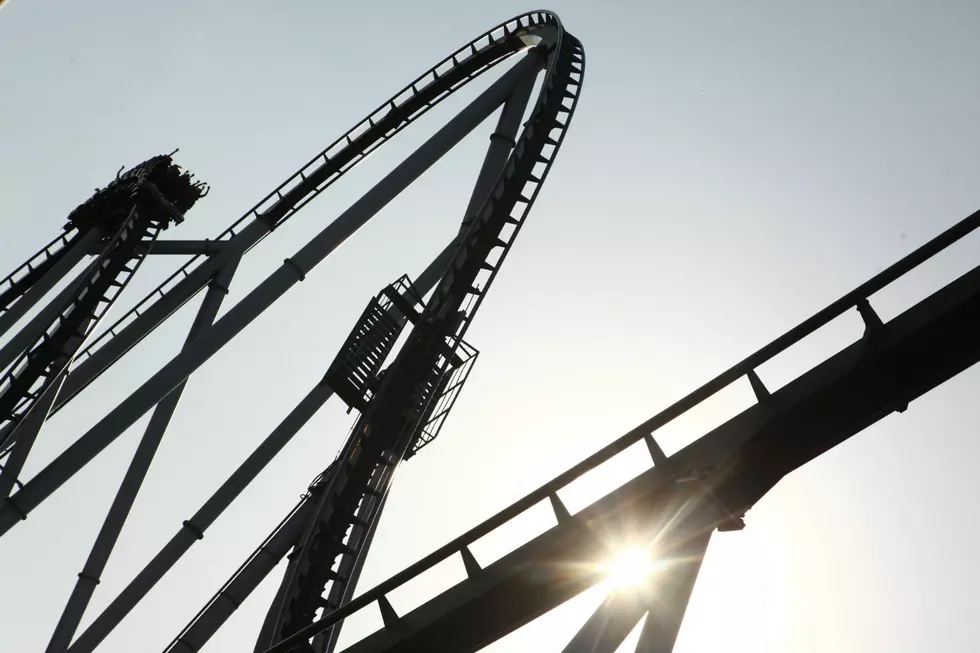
(669, 601)
(664, 600)
(112, 527)
(194, 528)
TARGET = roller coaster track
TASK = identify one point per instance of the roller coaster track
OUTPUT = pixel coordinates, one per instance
(15, 284)
(709, 485)
(46, 358)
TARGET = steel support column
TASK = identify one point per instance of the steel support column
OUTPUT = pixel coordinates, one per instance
(108, 535)
(669, 598)
(502, 142)
(194, 528)
(253, 572)
(663, 597)
(610, 624)
(256, 302)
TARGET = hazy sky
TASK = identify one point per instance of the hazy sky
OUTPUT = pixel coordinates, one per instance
(732, 168)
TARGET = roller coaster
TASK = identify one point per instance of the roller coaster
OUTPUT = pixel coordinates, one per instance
(402, 368)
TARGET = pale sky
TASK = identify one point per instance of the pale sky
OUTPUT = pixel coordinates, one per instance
(732, 168)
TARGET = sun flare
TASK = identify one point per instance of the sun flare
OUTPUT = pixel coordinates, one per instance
(631, 567)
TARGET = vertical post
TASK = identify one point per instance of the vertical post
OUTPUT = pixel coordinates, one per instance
(663, 599)
(669, 603)
(194, 528)
(258, 300)
(108, 535)
(76, 252)
(610, 624)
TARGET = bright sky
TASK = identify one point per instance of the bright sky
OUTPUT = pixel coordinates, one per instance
(732, 168)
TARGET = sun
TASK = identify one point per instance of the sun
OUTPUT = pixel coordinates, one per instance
(630, 568)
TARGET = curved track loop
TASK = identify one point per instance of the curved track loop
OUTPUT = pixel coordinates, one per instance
(391, 117)
(447, 315)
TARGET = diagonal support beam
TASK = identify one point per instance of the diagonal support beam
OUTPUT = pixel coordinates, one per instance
(668, 601)
(610, 624)
(194, 528)
(246, 578)
(108, 535)
(502, 142)
(663, 597)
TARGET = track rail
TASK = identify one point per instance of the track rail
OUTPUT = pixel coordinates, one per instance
(44, 360)
(13, 286)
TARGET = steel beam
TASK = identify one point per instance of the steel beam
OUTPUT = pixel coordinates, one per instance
(502, 142)
(668, 599)
(204, 247)
(108, 535)
(248, 577)
(194, 529)
(157, 312)
(292, 271)
(610, 624)
(187, 247)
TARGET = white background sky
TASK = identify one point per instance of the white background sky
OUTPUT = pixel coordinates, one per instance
(732, 168)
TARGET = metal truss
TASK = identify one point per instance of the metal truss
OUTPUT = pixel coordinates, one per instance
(403, 394)
(402, 406)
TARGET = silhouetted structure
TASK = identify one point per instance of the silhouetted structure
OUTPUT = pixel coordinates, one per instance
(403, 395)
